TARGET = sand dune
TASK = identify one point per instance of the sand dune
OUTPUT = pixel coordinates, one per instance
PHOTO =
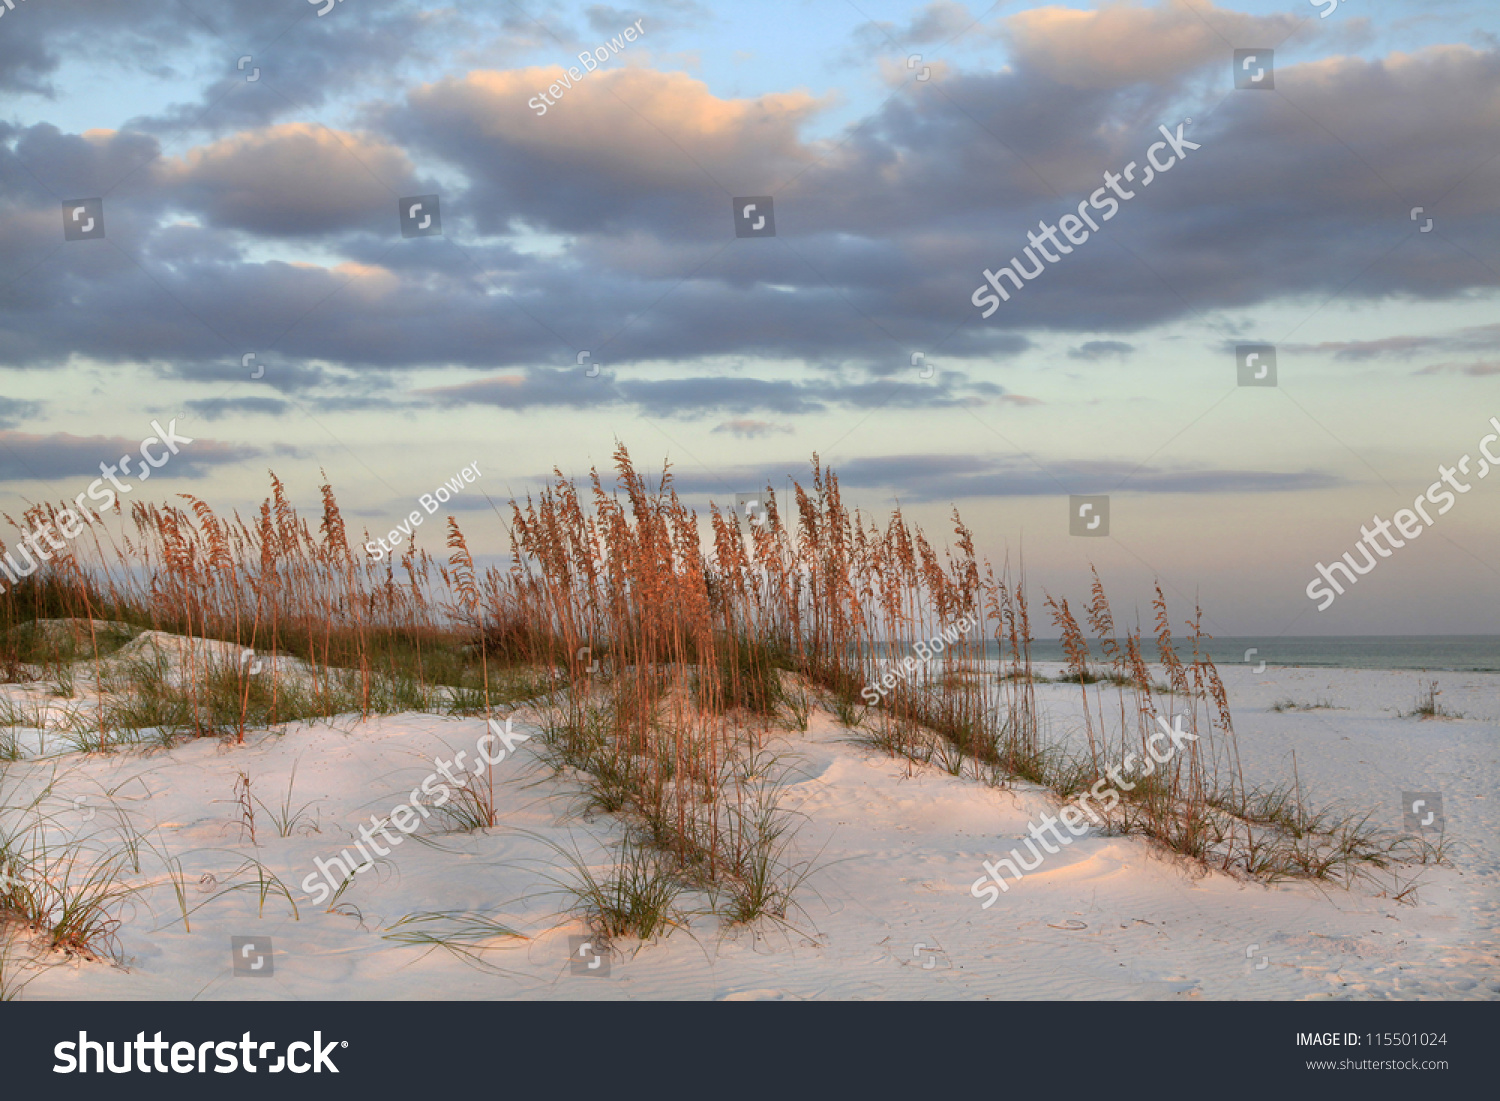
(885, 912)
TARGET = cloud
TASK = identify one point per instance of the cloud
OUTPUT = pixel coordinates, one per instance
(625, 148)
(663, 16)
(1120, 44)
(310, 61)
(1472, 370)
(26, 457)
(689, 396)
(1100, 349)
(922, 478)
(213, 409)
(293, 180)
(288, 378)
(901, 218)
(1473, 338)
(15, 410)
(748, 429)
(605, 225)
(938, 22)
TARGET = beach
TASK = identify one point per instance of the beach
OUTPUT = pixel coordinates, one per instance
(891, 848)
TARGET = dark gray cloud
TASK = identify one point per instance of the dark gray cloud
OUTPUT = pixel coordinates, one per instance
(1472, 370)
(882, 232)
(1100, 349)
(13, 411)
(656, 18)
(213, 409)
(747, 428)
(287, 378)
(25, 457)
(25, 61)
(305, 60)
(933, 477)
(944, 182)
(1474, 338)
(292, 180)
(691, 396)
(938, 22)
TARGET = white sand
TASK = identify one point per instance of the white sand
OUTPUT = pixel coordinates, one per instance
(894, 850)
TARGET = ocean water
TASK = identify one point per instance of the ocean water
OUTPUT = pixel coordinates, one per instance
(1463, 653)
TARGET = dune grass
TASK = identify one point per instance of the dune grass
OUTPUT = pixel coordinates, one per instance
(466, 935)
(1427, 706)
(662, 651)
(1289, 704)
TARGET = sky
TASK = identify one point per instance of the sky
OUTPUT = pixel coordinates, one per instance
(587, 284)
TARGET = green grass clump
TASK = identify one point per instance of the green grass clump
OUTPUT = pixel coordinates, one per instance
(1427, 706)
(1289, 704)
(462, 933)
(638, 898)
(748, 677)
